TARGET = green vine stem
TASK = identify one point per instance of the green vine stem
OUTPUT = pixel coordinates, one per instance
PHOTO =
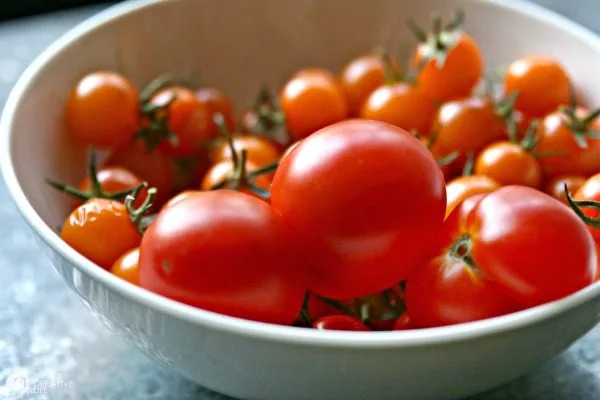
(578, 205)
(136, 215)
(581, 127)
(96, 190)
(461, 250)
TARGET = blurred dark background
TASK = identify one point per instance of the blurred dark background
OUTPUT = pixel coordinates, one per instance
(10, 9)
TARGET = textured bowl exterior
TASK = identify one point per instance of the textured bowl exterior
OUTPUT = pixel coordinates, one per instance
(245, 359)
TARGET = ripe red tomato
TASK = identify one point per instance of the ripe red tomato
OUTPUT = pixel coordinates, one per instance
(461, 188)
(556, 187)
(187, 118)
(403, 322)
(360, 78)
(466, 126)
(126, 267)
(248, 268)
(448, 291)
(100, 230)
(340, 323)
(402, 105)
(150, 166)
(112, 180)
(311, 100)
(261, 151)
(103, 110)
(542, 84)
(509, 164)
(450, 63)
(343, 190)
(216, 101)
(590, 191)
(557, 135)
(529, 244)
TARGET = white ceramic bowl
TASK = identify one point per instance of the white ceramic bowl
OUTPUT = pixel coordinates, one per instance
(238, 45)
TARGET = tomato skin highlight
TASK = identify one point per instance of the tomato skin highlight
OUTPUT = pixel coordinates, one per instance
(100, 230)
(360, 231)
(531, 245)
(225, 252)
(126, 267)
(103, 110)
(402, 105)
(340, 323)
(541, 82)
(446, 291)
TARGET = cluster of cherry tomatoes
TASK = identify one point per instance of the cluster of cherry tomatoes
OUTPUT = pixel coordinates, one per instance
(379, 198)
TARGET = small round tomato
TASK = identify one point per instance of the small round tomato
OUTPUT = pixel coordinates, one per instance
(448, 291)
(466, 126)
(112, 180)
(540, 81)
(149, 165)
(461, 188)
(101, 230)
(310, 101)
(343, 191)
(248, 266)
(566, 144)
(590, 191)
(126, 267)
(556, 187)
(103, 110)
(533, 247)
(261, 151)
(340, 323)
(509, 164)
(360, 78)
(189, 123)
(227, 172)
(402, 105)
(216, 101)
(450, 64)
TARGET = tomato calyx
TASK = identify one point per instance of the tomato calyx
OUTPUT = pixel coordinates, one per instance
(461, 250)
(136, 215)
(469, 166)
(240, 176)
(96, 190)
(441, 39)
(428, 141)
(580, 126)
(577, 205)
(268, 119)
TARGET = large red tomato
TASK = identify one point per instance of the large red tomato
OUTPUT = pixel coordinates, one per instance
(365, 199)
(530, 244)
(226, 252)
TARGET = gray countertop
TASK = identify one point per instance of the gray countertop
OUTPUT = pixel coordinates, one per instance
(69, 355)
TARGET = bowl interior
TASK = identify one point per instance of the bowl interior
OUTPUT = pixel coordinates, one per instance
(239, 46)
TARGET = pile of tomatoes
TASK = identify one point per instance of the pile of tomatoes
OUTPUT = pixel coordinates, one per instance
(381, 198)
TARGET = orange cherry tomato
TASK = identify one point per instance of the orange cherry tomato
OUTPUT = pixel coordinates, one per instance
(466, 126)
(312, 100)
(261, 151)
(509, 164)
(563, 155)
(112, 180)
(452, 75)
(402, 105)
(461, 188)
(150, 166)
(103, 110)
(360, 78)
(126, 267)
(188, 119)
(216, 101)
(590, 191)
(556, 186)
(542, 84)
(100, 230)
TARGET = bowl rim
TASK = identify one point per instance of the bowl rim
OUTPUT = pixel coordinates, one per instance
(247, 328)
